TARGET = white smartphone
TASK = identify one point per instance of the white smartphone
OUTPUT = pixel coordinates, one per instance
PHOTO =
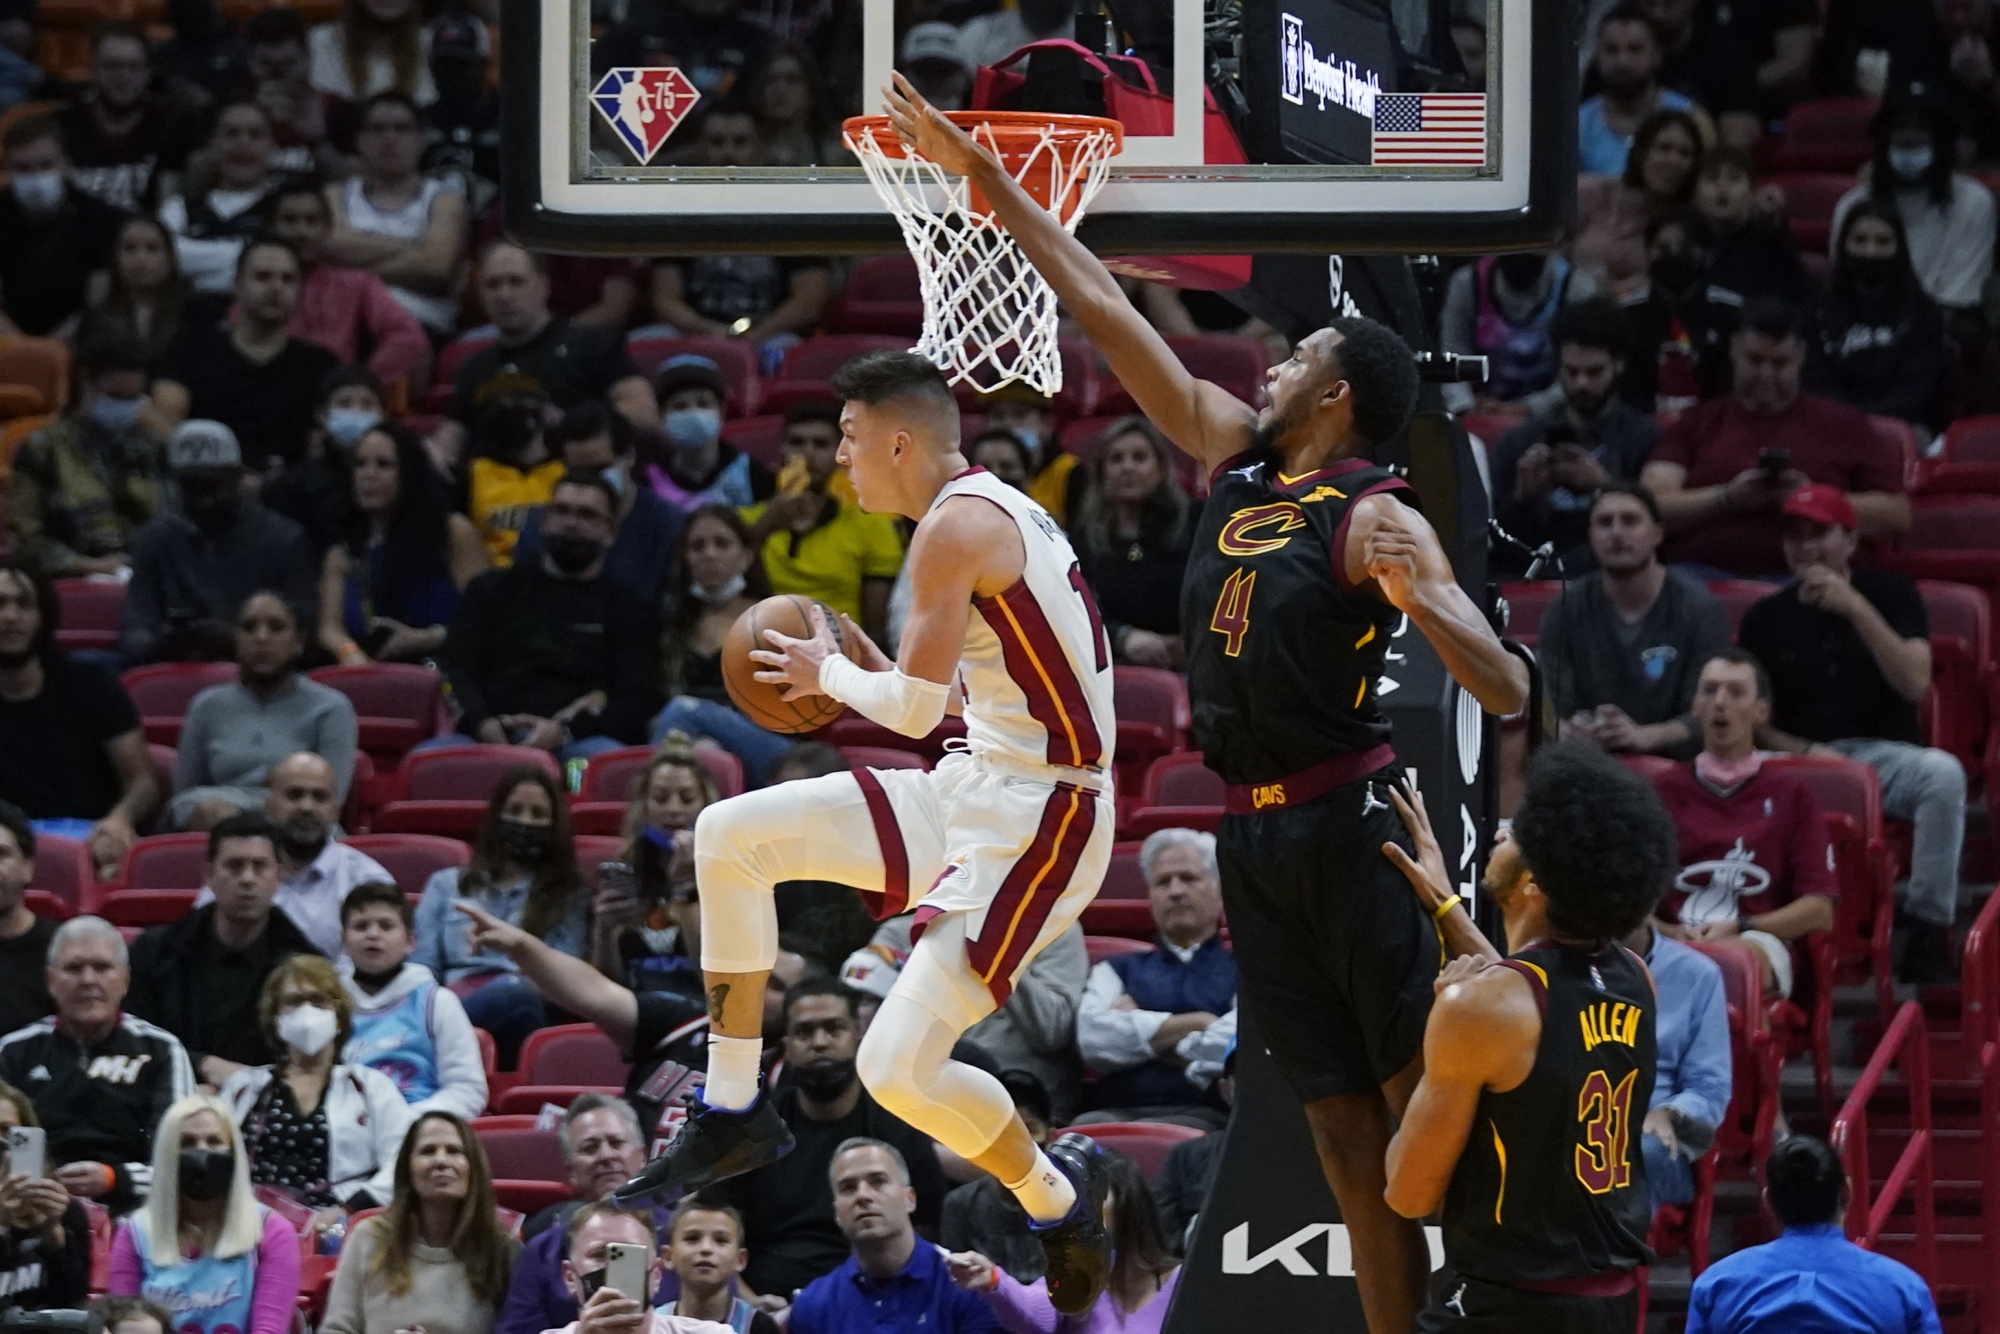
(625, 1269)
(27, 1151)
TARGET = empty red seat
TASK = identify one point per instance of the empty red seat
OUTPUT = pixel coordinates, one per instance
(445, 791)
(517, 1151)
(1182, 780)
(882, 757)
(530, 1197)
(162, 692)
(802, 376)
(1961, 667)
(1809, 201)
(735, 359)
(89, 610)
(1153, 712)
(65, 873)
(609, 776)
(1737, 596)
(882, 296)
(1100, 948)
(1850, 796)
(1122, 906)
(761, 437)
(592, 851)
(1083, 388)
(412, 859)
(396, 704)
(572, 1054)
(147, 907)
(1743, 1141)
(1525, 604)
(166, 861)
(1824, 135)
(1951, 538)
(1146, 1143)
(1972, 440)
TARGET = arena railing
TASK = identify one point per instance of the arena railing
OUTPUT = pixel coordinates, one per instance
(1905, 1045)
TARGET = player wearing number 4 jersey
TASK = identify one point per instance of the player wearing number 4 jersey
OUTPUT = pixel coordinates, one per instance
(1536, 1065)
(998, 850)
(1307, 557)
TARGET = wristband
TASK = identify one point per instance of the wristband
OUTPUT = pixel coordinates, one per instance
(902, 703)
(1438, 913)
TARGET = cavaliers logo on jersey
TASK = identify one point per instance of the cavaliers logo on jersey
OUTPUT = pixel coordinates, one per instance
(1260, 529)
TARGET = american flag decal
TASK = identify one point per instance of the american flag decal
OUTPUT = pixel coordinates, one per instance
(1430, 130)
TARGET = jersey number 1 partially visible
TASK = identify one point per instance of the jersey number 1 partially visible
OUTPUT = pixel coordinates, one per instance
(1232, 610)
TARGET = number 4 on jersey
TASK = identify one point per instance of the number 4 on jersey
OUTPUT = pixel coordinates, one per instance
(1232, 610)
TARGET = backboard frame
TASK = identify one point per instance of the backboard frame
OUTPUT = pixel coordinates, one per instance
(759, 210)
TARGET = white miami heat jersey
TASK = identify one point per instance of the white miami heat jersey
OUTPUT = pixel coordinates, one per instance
(1037, 663)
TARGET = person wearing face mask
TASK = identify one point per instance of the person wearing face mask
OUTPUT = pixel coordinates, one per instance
(192, 569)
(592, 438)
(344, 309)
(79, 490)
(1948, 217)
(523, 872)
(551, 653)
(55, 241)
(1878, 341)
(390, 587)
(700, 467)
(1502, 308)
(322, 1132)
(1679, 322)
(314, 491)
(203, 1247)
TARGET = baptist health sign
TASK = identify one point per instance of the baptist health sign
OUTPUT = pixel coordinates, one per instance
(1289, 1254)
(1305, 74)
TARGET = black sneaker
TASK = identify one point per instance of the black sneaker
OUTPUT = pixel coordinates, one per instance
(712, 1145)
(1078, 1248)
(1927, 956)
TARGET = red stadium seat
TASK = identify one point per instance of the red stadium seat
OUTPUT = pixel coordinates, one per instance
(445, 791)
(412, 859)
(89, 610)
(1123, 879)
(609, 776)
(882, 757)
(517, 1151)
(592, 851)
(1148, 820)
(1951, 539)
(816, 359)
(449, 360)
(1904, 437)
(1962, 669)
(396, 704)
(1234, 362)
(65, 872)
(1100, 948)
(1525, 604)
(1153, 716)
(1649, 767)
(1738, 596)
(736, 360)
(147, 907)
(1182, 780)
(1850, 796)
(166, 861)
(1146, 1143)
(163, 691)
(882, 296)
(572, 1054)
(1809, 201)
(1972, 440)
(1743, 1141)
(762, 438)
(851, 729)
(1122, 906)
(164, 759)
(1824, 135)
(529, 1099)
(42, 903)
(530, 1197)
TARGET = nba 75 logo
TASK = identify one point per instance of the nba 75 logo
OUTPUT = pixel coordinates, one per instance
(1292, 59)
(643, 106)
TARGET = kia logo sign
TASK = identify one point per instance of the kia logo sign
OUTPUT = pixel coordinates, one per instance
(1289, 1254)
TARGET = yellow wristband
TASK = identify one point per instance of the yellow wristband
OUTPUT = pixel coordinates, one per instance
(1437, 913)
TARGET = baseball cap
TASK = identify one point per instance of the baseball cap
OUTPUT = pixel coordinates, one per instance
(203, 446)
(457, 36)
(871, 970)
(935, 41)
(1822, 504)
(688, 371)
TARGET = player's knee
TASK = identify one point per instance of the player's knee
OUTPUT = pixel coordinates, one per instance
(725, 829)
(887, 1069)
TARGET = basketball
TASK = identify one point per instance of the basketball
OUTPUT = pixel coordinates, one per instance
(765, 705)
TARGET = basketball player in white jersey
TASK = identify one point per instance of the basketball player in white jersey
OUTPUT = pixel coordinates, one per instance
(998, 850)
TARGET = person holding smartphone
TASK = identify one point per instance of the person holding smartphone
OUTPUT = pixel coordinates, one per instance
(44, 1234)
(613, 1262)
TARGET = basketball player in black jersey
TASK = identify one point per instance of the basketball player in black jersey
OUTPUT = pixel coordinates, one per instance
(1538, 1068)
(1307, 559)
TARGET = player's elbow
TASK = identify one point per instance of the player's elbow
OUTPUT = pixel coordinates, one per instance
(1507, 693)
(1409, 1199)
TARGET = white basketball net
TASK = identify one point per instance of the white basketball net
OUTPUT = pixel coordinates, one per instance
(989, 317)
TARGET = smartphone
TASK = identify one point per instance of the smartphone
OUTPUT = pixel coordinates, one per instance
(625, 1269)
(27, 1151)
(1776, 462)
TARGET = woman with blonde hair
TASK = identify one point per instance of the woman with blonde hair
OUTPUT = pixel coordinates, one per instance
(437, 1259)
(650, 915)
(324, 1132)
(202, 1247)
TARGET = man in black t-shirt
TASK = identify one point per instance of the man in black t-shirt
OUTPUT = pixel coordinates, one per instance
(1849, 655)
(24, 937)
(538, 354)
(787, 1206)
(1701, 62)
(53, 237)
(251, 376)
(71, 747)
(127, 147)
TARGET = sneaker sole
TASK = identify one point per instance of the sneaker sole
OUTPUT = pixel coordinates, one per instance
(701, 1180)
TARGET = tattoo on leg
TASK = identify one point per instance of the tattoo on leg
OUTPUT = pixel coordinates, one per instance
(718, 996)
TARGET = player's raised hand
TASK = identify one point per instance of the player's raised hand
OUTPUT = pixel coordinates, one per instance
(1426, 871)
(927, 132)
(794, 663)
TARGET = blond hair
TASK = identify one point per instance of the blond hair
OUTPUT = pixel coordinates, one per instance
(242, 1221)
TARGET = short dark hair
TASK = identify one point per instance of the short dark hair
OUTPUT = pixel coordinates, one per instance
(808, 987)
(374, 894)
(15, 821)
(390, 97)
(1626, 12)
(243, 824)
(266, 243)
(595, 481)
(1618, 486)
(48, 609)
(1596, 840)
(107, 352)
(876, 377)
(1773, 318)
(1725, 157)
(1597, 322)
(701, 1204)
(1381, 373)
(295, 190)
(348, 377)
(1804, 1180)
(825, 413)
(32, 130)
(593, 418)
(1743, 657)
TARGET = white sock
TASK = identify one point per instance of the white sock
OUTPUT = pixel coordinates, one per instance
(1045, 1192)
(733, 1063)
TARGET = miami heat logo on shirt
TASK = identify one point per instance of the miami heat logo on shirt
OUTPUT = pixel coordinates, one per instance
(1713, 888)
(644, 106)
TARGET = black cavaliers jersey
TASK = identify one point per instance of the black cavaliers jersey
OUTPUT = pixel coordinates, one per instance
(1282, 655)
(1552, 1183)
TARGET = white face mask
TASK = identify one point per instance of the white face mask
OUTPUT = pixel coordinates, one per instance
(38, 191)
(308, 1029)
(715, 597)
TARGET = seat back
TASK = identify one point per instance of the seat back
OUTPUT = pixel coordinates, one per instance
(162, 692)
(1123, 878)
(467, 773)
(1841, 786)
(1152, 695)
(816, 359)
(1745, 1132)
(1737, 596)
(65, 870)
(1825, 134)
(1182, 779)
(1960, 610)
(1972, 440)
(517, 1151)
(412, 859)
(571, 1054)
(1525, 604)
(735, 359)
(1809, 202)
(40, 365)
(396, 703)
(1146, 1143)
(762, 438)
(1100, 948)
(89, 610)
(166, 861)
(1953, 523)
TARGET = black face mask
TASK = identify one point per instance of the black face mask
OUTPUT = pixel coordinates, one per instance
(571, 555)
(824, 1080)
(206, 1173)
(527, 844)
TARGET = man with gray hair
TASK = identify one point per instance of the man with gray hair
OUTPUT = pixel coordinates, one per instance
(894, 1279)
(1143, 1014)
(602, 1147)
(100, 1079)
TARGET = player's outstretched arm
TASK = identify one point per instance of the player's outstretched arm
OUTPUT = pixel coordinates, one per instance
(1426, 874)
(1394, 545)
(1204, 419)
(1482, 1034)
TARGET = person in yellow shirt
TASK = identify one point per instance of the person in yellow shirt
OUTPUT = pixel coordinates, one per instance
(514, 473)
(814, 543)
